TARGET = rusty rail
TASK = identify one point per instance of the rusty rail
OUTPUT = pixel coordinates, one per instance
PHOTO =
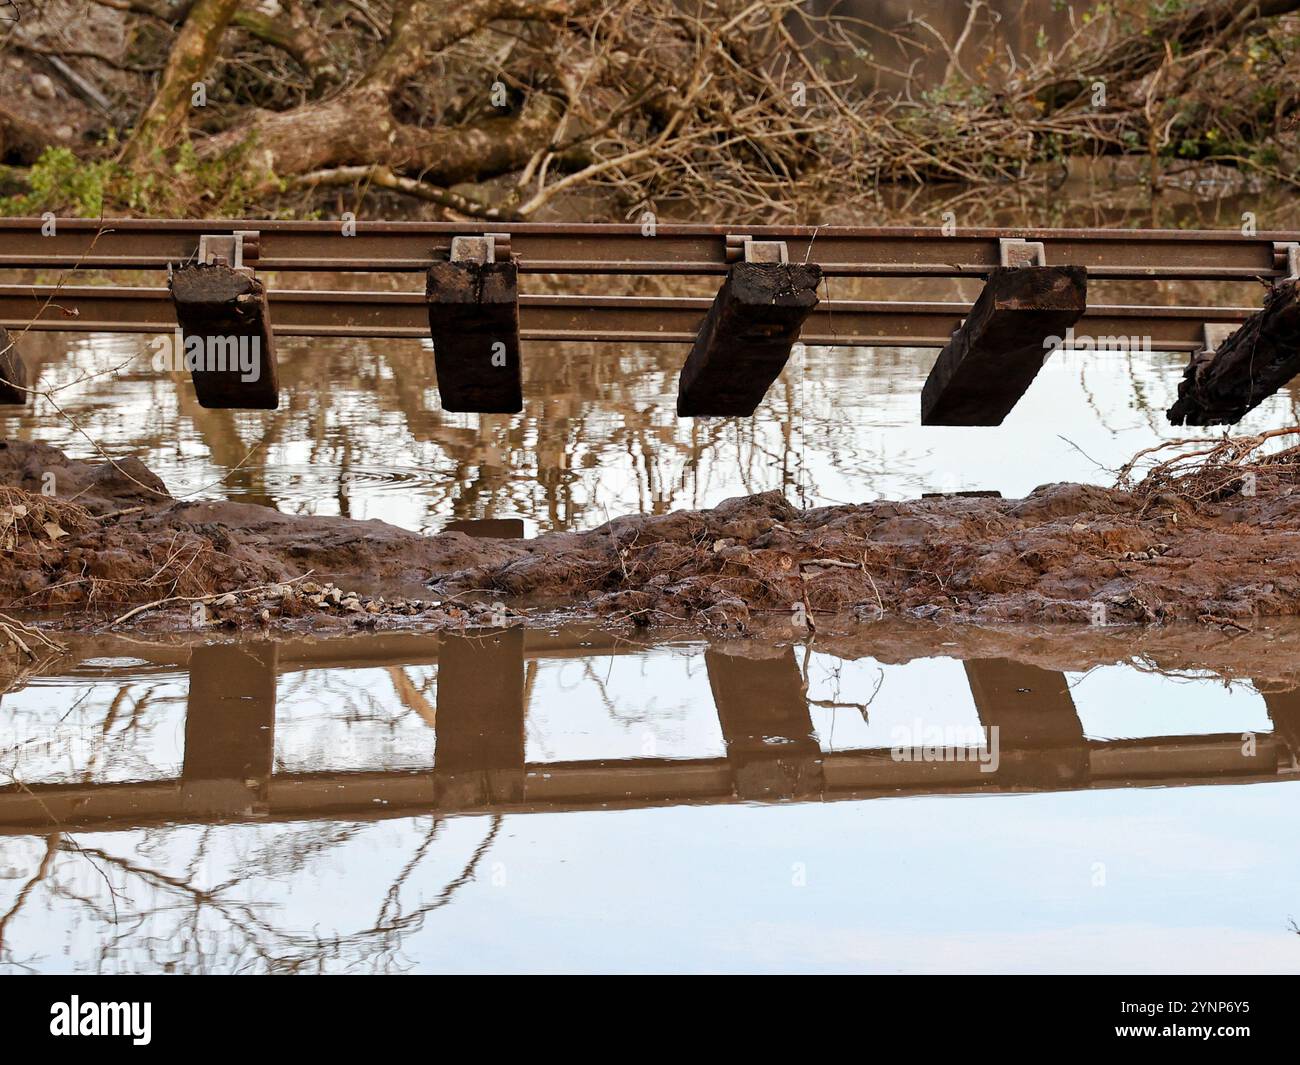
(842, 251)
(741, 339)
(558, 787)
(626, 319)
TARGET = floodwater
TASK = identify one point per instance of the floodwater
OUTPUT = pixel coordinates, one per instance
(568, 801)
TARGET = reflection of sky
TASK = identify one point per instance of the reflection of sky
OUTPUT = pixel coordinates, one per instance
(1000, 883)
(1118, 703)
(327, 719)
(1113, 702)
(656, 705)
(1199, 878)
(106, 730)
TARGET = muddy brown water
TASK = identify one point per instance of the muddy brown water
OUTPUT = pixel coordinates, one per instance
(565, 800)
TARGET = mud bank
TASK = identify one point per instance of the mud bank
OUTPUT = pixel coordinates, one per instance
(109, 537)
(1065, 553)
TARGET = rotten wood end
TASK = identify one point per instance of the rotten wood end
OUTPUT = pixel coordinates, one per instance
(474, 325)
(1221, 385)
(229, 347)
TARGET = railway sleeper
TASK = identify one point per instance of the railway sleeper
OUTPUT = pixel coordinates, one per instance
(473, 303)
(996, 353)
(746, 338)
(1236, 372)
(225, 327)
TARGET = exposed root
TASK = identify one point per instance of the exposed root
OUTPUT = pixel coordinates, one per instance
(19, 634)
(1210, 468)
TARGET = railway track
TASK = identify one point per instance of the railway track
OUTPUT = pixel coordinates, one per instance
(1035, 299)
(478, 756)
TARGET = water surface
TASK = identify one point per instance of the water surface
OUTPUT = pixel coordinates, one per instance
(569, 801)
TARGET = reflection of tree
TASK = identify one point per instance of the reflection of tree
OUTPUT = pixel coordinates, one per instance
(154, 904)
(24, 892)
(106, 732)
(320, 707)
(156, 919)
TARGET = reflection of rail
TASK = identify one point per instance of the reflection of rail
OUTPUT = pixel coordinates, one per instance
(478, 760)
(625, 319)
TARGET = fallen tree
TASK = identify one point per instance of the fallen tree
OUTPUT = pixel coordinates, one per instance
(665, 96)
(498, 108)
(165, 119)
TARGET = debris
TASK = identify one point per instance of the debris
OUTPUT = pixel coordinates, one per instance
(1219, 387)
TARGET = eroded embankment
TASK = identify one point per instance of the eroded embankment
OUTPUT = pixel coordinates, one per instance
(110, 537)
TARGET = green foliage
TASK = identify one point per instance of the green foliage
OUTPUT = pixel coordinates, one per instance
(61, 182)
(1162, 9)
(958, 94)
(163, 186)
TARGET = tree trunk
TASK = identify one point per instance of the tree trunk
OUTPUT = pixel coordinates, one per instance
(1137, 55)
(21, 141)
(358, 127)
(165, 121)
(294, 35)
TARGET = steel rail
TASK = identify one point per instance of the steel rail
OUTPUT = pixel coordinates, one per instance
(841, 251)
(620, 319)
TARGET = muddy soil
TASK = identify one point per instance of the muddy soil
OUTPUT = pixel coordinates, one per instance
(108, 537)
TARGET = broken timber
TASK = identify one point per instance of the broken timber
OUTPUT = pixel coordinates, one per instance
(996, 354)
(474, 324)
(745, 340)
(229, 350)
(1221, 385)
(13, 371)
(488, 528)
